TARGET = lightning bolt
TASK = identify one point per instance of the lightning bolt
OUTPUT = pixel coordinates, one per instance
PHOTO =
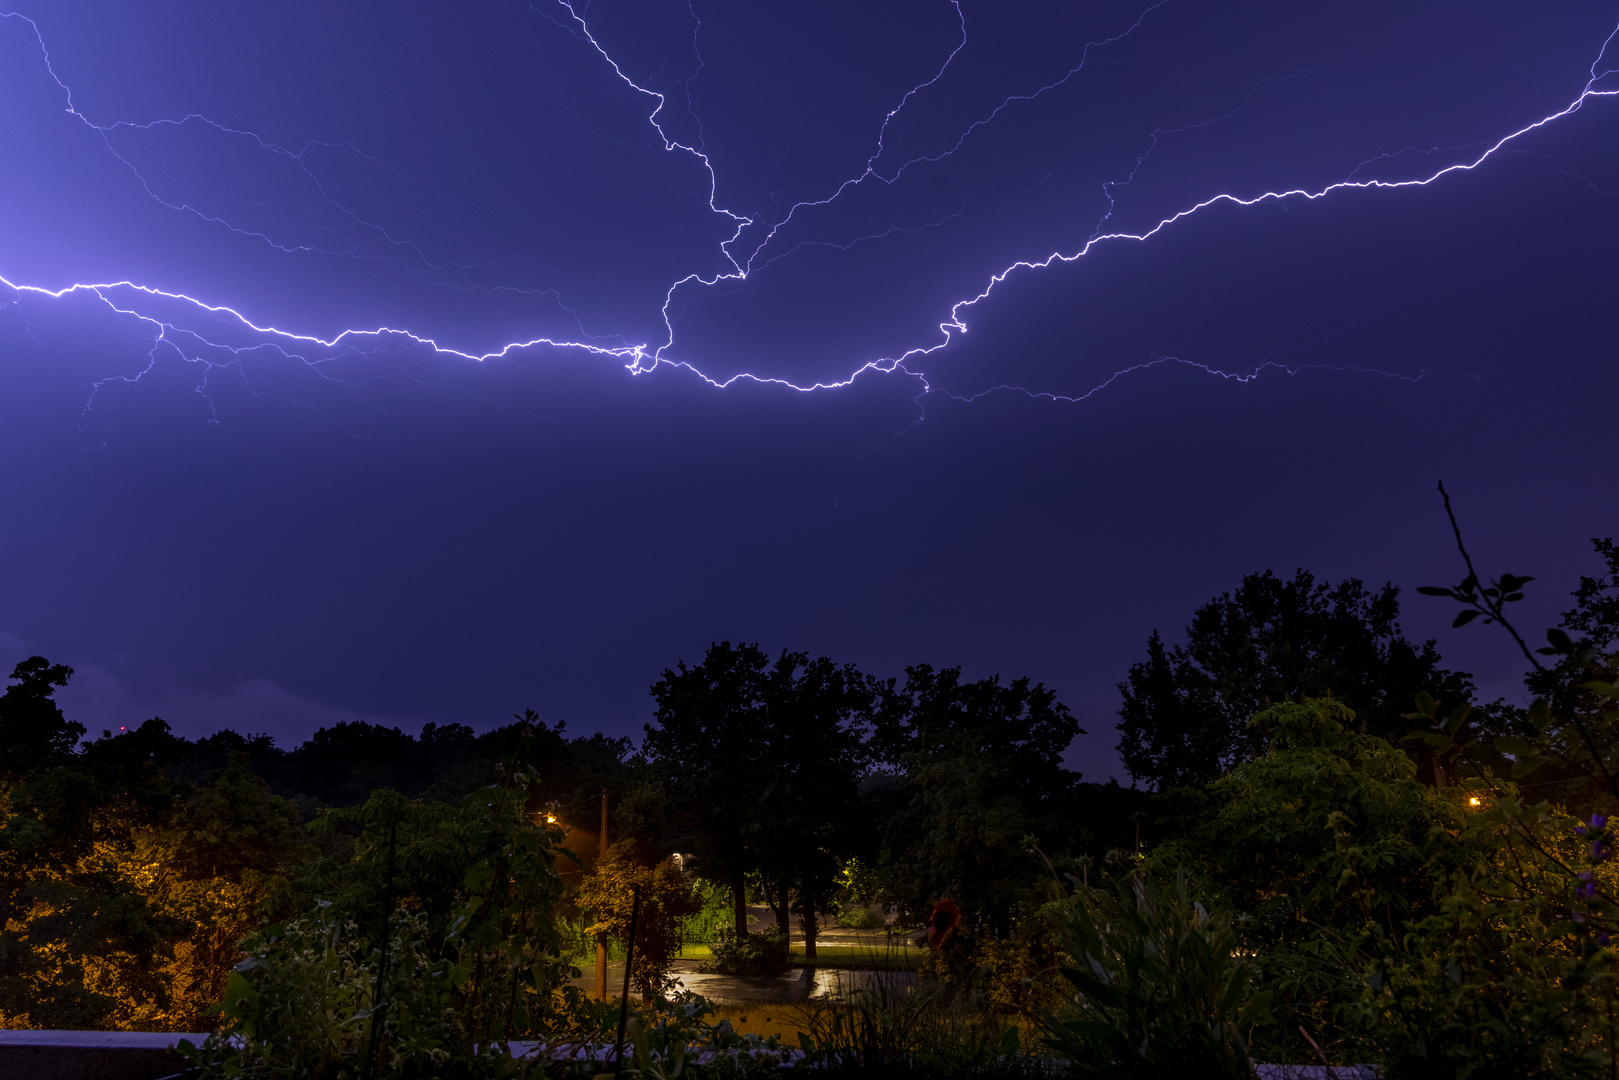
(226, 333)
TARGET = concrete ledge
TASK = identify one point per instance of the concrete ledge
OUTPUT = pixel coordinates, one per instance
(150, 1055)
(91, 1055)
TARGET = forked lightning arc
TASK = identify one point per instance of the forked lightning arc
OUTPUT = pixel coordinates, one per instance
(136, 299)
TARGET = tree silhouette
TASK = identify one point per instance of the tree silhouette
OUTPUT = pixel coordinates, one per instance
(1185, 714)
(32, 727)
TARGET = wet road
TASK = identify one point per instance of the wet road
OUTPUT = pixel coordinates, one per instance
(798, 984)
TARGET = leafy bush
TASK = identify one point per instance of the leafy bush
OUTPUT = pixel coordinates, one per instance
(1019, 974)
(715, 910)
(671, 1037)
(893, 1030)
(1158, 985)
(433, 947)
(123, 895)
(303, 1004)
(666, 899)
(763, 952)
(858, 884)
(1511, 977)
(1326, 838)
(861, 918)
(1514, 973)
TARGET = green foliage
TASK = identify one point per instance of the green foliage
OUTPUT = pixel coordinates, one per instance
(1569, 735)
(1514, 975)
(712, 744)
(1019, 975)
(1492, 986)
(892, 1030)
(818, 714)
(666, 899)
(123, 894)
(980, 773)
(1186, 708)
(861, 918)
(1595, 614)
(713, 912)
(762, 761)
(1325, 839)
(671, 1039)
(1158, 985)
(858, 883)
(304, 1006)
(763, 952)
(1508, 974)
(435, 943)
(1329, 828)
(215, 866)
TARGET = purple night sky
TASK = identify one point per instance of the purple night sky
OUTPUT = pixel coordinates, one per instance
(419, 361)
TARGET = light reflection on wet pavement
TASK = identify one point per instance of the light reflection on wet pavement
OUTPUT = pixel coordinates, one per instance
(798, 984)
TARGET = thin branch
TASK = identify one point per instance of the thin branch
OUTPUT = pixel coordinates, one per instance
(1493, 609)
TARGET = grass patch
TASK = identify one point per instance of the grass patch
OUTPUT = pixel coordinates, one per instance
(862, 957)
(853, 957)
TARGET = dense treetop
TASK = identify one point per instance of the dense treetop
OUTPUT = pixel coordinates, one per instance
(1186, 707)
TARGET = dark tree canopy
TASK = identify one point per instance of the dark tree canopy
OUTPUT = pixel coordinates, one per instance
(1184, 719)
(818, 714)
(1595, 614)
(762, 761)
(711, 741)
(32, 727)
(1571, 776)
(66, 903)
(980, 781)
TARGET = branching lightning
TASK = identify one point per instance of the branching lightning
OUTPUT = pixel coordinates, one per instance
(239, 332)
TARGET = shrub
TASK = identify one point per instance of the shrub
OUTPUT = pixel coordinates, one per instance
(761, 953)
(1158, 986)
(862, 918)
(1020, 974)
(714, 911)
(437, 945)
(666, 900)
(897, 1032)
(670, 1037)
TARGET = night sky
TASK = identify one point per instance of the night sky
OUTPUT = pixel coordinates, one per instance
(700, 372)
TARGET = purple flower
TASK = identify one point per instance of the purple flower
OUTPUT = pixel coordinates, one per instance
(1602, 940)
(1598, 821)
(1586, 888)
(1600, 849)
(1579, 830)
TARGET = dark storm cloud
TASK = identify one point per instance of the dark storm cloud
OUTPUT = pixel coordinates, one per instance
(221, 522)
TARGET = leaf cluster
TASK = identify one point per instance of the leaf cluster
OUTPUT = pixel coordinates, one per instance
(627, 888)
(1185, 711)
(1159, 986)
(427, 952)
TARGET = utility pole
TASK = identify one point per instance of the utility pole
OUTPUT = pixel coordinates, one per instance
(601, 939)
